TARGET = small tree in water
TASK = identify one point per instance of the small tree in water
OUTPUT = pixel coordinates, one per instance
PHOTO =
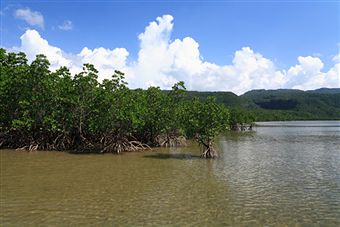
(204, 121)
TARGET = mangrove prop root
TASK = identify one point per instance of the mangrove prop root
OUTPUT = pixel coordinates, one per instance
(118, 143)
(209, 151)
(171, 140)
(105, 143)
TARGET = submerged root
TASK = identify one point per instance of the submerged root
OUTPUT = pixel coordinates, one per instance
(106, 143)
(21, 140)
(209, 151)
(171, 141)
(119, 144)
(22, 148)
(31, 147)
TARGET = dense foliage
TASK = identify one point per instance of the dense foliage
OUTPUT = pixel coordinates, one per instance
(40, 109)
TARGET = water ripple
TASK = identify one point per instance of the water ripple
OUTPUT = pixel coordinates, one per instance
(270, 177)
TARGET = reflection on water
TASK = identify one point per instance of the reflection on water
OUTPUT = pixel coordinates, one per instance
(273, 176)
(299, 124)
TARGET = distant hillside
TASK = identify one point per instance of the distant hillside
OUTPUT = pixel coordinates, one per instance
(227, 98)
(282, 104)
(326, 91)
(286, 104)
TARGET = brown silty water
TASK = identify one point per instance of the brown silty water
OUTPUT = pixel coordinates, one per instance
(272, 176)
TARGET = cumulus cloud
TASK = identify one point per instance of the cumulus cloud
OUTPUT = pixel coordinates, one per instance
(66, 26)
(33, 18)
(105, 60)
(162, 62)
(32, 44)
(336, 58)
(308, 74)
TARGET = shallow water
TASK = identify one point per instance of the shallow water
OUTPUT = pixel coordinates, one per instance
(272, 176)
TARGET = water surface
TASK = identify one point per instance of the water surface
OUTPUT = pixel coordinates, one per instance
(272, 176)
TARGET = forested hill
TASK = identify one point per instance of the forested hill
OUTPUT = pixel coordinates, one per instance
(283, 104)
(227, 98)
(326, 91)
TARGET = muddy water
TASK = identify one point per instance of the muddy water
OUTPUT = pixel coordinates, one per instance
(273, 176)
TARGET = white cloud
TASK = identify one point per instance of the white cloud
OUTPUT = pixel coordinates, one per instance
(332, 77)
(162, 62)
(336, 58)
(308, 75)
(157, 33)
(31, 17)
(66, 26)
(105, 60)
(32, 44)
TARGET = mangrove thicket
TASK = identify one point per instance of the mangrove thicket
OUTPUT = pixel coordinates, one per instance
(54, 110)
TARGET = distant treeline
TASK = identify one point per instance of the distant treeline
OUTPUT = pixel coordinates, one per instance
(281, 104)
(46, 110)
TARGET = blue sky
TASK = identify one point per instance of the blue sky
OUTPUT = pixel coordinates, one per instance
(278, 31)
